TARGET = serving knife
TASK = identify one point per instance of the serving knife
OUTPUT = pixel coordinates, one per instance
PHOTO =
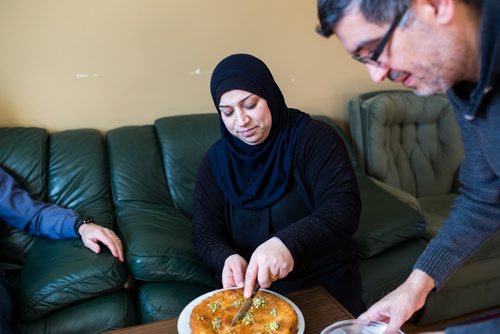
(246, 306)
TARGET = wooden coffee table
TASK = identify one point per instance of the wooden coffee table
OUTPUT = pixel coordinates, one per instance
(319, 308)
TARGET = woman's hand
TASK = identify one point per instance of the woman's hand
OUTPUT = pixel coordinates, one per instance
(233, 273)
(269, 262)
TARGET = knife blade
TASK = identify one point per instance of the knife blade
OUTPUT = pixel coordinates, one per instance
(246, 306)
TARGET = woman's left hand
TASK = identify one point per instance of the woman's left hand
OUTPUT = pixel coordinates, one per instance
(269, 262)
(233, 273)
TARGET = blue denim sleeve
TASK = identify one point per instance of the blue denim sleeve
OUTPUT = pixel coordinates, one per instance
(19, 210)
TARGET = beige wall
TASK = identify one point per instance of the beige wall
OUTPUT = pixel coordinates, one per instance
(108, 63)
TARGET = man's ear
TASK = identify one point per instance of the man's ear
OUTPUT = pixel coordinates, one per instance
(442, 11)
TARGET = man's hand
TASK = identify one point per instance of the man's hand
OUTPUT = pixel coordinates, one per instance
(400, 304)
(234, 270)
(269, 262)
(92, 234)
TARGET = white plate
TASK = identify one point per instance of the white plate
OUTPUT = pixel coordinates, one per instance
(183, 322)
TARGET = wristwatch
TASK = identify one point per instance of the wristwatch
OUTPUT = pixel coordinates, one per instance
(83, 220)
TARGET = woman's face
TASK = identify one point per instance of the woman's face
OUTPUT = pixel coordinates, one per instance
(246, 116)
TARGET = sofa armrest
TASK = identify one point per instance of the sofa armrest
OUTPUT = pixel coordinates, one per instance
(385, 221)
(158, 245)
(401, 195)
(58, 273)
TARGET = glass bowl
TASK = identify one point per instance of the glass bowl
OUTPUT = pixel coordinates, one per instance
(355, 326)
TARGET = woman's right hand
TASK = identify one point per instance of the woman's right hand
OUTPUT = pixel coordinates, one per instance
(233, 273)
(269, 262)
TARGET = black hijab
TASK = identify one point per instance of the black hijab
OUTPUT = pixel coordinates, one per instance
(254, 176)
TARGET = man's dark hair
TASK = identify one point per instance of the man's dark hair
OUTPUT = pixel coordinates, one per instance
(330, 12)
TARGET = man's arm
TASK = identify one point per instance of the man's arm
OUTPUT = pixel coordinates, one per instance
(400, 304)
(18, 209)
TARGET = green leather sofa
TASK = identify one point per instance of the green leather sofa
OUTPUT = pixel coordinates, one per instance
(59, 285)
(410, 145)
(140, 182)
(153, 170)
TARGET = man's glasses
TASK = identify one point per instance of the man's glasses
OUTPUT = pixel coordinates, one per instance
(377, 51)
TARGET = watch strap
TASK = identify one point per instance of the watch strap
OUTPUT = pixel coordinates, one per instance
(82, 220)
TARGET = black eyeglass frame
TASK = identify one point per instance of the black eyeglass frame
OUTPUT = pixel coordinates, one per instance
(377, 51)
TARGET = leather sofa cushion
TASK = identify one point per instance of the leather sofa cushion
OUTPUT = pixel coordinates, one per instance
(111, 311)
(386, 271)
(78, 174)
(385, 221)
(24, 155)
(158, 244)
(164, 300)
(156, 235)
(59, 273)
(184, 141)
(136, 167)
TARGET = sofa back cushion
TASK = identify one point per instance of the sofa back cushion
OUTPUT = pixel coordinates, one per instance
(24, 155)
(136, 168)
(155, 233)
(78, 174)
(410, 142)
(184, 141)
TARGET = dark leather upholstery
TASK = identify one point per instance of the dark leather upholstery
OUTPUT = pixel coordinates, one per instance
(60, 285)
(156, 226)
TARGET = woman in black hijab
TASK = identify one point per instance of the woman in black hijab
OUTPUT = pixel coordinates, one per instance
(276, 199)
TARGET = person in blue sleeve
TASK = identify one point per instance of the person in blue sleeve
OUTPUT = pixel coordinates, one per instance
(431, 46)
(19, 210)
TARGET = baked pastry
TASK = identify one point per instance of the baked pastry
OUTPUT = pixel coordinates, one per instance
(269, 314)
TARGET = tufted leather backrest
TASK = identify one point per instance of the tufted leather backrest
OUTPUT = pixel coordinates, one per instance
(408, 141)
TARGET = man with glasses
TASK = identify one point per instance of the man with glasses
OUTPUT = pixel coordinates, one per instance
(431, 46)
